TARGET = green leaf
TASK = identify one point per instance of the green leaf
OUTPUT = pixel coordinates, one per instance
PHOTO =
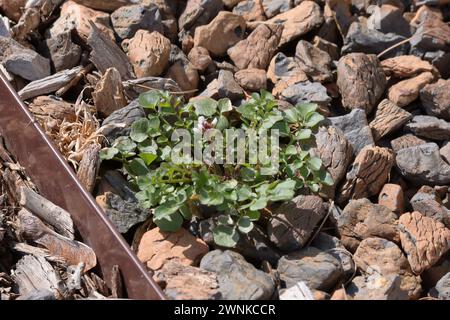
(205, 106)
(225, 236)
(259, 204)
(244, 193)
(124, 144)
(292, 115)
(149, 99)
(303, 134)
(224, 105)
(222, 123)
(108, 153)
(315, 163)
(314, 119)
(167, 208)
(290, 150)
(185, 212)
(325, 178)
(253, 215)
(283, 191)
(148, 157)
(245, 225)
(225, 219)
(306, 108)
(139, 130)
(169, 223)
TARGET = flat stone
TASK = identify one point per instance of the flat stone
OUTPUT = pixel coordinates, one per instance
(314, 62)
(238, 279)
(377, 287)
(389, 19)
(406, 91)
(423, 239)
(148, 52)
(391, 196)
(405, 66)
(228, 87)
(284, 71)
(135, 87)
(355, 128)
(198, 12)
(251, 79)
(158, 247)
(305, 92)
(431, 35)
(435, 99)
(443, 287)
(294, 221)
(274, 7)
(423, 164)
(362, 219)
(318, 269)
(108, 93)
(341, 13)
(445, 151)
(429, 127)
(182, 71)
(250, 10)
(231, 3)
(388, 118)
(429, 204)
(361, 81)
(406, 141)
(64, 53)
(127, 20)
(327, 46)
(200, 58)
(258, 49)
(298, 21)
(227, 27)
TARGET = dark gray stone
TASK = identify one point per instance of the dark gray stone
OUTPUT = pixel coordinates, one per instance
(435, 98)
(238, 279)
(315, 62)
(305, 92)
(228, 87)
(429, 127)
(198, 12)
(428, 203)
(355, 128)
(387, 19)
(64, 53)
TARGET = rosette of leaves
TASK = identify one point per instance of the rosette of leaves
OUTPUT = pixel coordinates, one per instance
(239, 192)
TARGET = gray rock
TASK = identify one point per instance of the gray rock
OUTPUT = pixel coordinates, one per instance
(361, 39)
(441, 60)
(294, 221)
(228, 87)
(355, 128)
(250, 10)
(445, 151)
(423, 164)
(238, 279)
(198, 12)
(128, 19)
(429, 204)
(315, 62)
(377, 287)
(443, 287)
(435, 98)
(274, 7)
(22, 61)
(133, 88)
(318, 269)
(64, 53)
(406, 141)
(388, 19)
(119, 122)
(429, 127)
(304, 92)
(5, 30)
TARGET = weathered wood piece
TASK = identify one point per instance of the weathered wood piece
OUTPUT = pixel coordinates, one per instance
(89, 165)
(55, 216)
(388, 118)
(116, 283)
(35, 251)
(108, 93)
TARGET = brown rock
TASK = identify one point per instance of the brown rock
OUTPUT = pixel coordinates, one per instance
(76, 17)
(423, 239)
(388, 19)
(283, 72)
(108, 94)
(424, 13)
(391, 196)
(185, 75)
(48, 109)
(406, 91)
(361, 219)
(406, 141)
(436, 99)
(223, 32)
(339, 294)
(336, 154)
(298, 21)
(64, 53)
(341, 10)
(148, 53)
(107, 6)
(182, 282)
(158, 247)
(445, 151)
(388, 118)
(13, 9)
(405, 66)
(313, 61)
(197, 13)
(258, 49)
(369, 172)
(250, 10)
(361, 81)
(327, 46)
(200, 58)
(427, 202)
(251, 79)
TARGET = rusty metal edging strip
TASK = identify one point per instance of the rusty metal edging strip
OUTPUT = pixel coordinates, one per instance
(58, 182)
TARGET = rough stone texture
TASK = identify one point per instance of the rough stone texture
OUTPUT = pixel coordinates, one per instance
(430, 127)
(227, 27)
(405, 66)
(336, 154)
(182, 282)
(406, 141)
(318, 269)
(388, 118)
(391, 196)
(294, 221)
(13, 8)
(111, 127)
(362, 219)
(355, 128)
(284, 71)
(305, 92)
(298, 21)
(251, 79)
(228, 87)
(238, 279)
(199, 12)
(378, 287)
(429, 204)
(431, 35)
(158, 247)
(423, 164)
(258, 49)
(389, 19)
(445, 151)
(182, 71)
(443, 287)
(314, 62)
(368, 174)
(22, 61)
(200, 58)
(406, 91)
(128, 19)
(423, 239)
(250, 10)
(435, 99)
(63, 52)
(361, 81)
(327, 46)
(148, 53)
(108, 93)
(274, 7)
(124, 214)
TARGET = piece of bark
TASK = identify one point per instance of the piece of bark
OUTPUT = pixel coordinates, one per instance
(35, 251)
(135, 87)
(388, 118)
(405, 66)
(406, 91)
(406, 141)
(369, 173)
(108, 93)
(35, 273)
(32, 228)
(74, 274)
(55, 216)
(50, 108)
(89, 165)
(100, 44)
(48, 84)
